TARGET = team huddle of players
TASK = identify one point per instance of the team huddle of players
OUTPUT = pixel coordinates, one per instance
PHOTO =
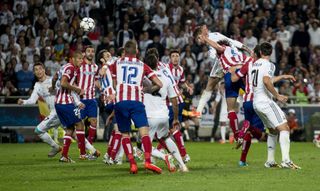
(148, 95)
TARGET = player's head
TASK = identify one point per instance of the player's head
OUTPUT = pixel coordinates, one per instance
(120, 52)
(77, 58)
(174, 57)
(200, 30)
(104, 56)
(152, 61)
(130, 48)
(89, 52)
(256, 52)
(265, 49)
(224, 43)
(39, 70)
(153, 51)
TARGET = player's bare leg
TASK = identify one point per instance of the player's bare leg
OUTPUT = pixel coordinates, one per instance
(147, 148)
(206, 94)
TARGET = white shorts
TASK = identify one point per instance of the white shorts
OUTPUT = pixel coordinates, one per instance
(159, 126)
(51, 121)
(216, 70)
(270, 113)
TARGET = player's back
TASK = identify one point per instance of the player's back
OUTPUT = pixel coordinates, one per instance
(129, 73)
(156, 106)
(257, 71)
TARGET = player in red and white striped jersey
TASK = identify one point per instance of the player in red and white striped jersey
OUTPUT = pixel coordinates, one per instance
(88, 80)
(68, 114)
(128, 73)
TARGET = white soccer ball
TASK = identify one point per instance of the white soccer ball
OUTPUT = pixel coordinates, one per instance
(87, 24)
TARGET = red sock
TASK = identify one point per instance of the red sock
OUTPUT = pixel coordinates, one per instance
(111, 142)
(81, 141)
(92, 134)
(66, 145)
(245, 147)
(179, 141)
(147, 147)
(256, 132)
(127, 147)
(233, 121)
(116, 145)
(162, 144)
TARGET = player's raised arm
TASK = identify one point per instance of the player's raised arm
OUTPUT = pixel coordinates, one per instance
(283, 77)
(211, 43)
(32, 99)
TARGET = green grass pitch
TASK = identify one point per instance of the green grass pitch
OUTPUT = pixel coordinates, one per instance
(212, 167)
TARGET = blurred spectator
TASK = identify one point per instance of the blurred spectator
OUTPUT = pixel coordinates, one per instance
(25, 79)
(301, 92)
(301, 37)
(284, 37)
(250, 40)
(6, 16)
(166, 57)
(315, 95)
(124, 35)
(30, 51)
(144, 43)
(295, 129)
(156, 44)
(277, 49)
(298, 69)
(314, 32)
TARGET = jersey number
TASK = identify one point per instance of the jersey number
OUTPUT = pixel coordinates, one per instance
(168, 76)
(255, 74)
(129, 74)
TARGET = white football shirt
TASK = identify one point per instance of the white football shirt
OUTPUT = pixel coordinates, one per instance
(156, 105)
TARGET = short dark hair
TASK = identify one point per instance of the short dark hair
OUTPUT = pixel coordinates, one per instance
(153, 51)
(39, 64)
(151, 60)
(266, 49)
(256, 50)
(88, 46)
(130, 47)
(174, 51)
(197, 31)
(120, 51)
(100, 54)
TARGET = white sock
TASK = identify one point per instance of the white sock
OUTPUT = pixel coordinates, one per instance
(156, 153)
(55, 133)
(120, 153)
(223, 132)
(89, 147)
(284, 140)
(173, 149)
(205, 97)
(187, 134)
(45, 137)
(271, 143)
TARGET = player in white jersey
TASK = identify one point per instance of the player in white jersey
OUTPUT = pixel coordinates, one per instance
(217, 72)
(261, 74)
(41, 89)
(158, 114)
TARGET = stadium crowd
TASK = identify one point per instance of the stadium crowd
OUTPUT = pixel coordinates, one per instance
(48, 31)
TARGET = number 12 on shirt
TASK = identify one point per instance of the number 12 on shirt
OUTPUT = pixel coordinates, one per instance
(129, 74)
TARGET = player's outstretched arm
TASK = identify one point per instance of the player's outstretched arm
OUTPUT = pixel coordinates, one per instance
(32, 99)
(212, 43)
(269, 85)
(283, 77)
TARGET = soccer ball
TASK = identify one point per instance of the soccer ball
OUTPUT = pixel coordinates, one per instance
(87, 24)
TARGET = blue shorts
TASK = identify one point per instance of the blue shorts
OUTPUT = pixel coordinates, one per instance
(251, 116)
(91, 108)
(109, 107)
(125, 111)
(232, 88)
(181, 106)
(68, 114)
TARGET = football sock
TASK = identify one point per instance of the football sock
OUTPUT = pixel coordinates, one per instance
(92, 133)
(158, 154)
(173, 149)
(147, 147)
(233, 122)
(245, 147)
(81, 141)
(127, 147)
(271, 143)
(284, 140)
(45, 137)
(205, 97)
(111, 142)
(179, 141)
(223, 132)
(89, 147)
(116, 145)
(66, 145)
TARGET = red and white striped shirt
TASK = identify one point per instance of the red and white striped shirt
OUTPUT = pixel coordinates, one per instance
(129, 73)
(63, 95)
(243, 72)
(86, 79)
(231, 57)
(177, 73)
